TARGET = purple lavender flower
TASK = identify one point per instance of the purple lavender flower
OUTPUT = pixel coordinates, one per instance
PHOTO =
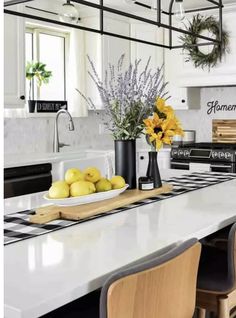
(128, 96)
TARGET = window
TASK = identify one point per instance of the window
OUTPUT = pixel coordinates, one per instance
(28, 57)
(48, 47)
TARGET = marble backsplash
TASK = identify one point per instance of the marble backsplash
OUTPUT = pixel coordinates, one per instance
(27, 135)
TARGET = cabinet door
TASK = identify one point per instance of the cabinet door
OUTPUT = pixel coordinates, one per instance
(173, 60)
(105, 50)
(142, 163)
(142, 160)
(144, 51)
(181, 97)
(114, 47)
(14, 62)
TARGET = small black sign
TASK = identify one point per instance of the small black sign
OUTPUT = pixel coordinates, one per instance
(50, 106)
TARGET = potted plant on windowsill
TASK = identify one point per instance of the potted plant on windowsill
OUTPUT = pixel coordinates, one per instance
(128, 96)
(36, 70)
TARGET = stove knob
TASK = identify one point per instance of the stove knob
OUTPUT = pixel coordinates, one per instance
(174, 152)
(214, 154)
(227, 155)
(181, 152)
(221, 155)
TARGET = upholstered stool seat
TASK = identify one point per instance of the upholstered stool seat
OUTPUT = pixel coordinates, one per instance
(213, 270)
(216, 285)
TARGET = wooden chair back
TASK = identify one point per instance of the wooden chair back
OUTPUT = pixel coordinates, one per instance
(164, 287)
(232, 256)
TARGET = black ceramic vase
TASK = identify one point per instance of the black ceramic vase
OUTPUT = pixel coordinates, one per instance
(153, 170)
(125, 161)
(31, 104)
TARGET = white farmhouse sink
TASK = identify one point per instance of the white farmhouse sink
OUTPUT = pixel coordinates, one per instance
(100, 161)
(25, 159)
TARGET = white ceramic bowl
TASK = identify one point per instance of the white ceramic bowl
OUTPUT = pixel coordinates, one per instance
(84, 199)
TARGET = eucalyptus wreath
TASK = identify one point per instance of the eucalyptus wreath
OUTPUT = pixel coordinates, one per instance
(196, 26)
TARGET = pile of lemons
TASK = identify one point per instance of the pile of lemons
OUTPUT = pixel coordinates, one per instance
(78, 183)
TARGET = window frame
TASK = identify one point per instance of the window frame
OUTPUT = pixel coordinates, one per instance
(36, 31)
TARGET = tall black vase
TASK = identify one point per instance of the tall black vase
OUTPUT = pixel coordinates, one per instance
(153, 170)
(125, 161)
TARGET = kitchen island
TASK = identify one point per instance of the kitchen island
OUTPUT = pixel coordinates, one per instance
(46, 272)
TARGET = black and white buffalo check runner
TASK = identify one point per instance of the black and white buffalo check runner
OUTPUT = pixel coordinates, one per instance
(17, 226)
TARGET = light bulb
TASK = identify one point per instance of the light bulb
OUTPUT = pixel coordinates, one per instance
(69, 13)
(178, 10)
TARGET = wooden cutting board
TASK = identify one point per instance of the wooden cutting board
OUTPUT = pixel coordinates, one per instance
(224, 131)
(50, 213)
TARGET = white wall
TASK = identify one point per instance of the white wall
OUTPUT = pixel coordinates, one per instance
(36, 134)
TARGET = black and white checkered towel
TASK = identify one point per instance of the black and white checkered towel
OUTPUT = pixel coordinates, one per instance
(17, 226)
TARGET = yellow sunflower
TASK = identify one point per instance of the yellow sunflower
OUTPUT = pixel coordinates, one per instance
(160, 131)
(163, 108)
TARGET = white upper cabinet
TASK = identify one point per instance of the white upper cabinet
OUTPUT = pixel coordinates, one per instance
(14, 65)
(143, 51)
(104, 50)
(222, 74)
(181, 97)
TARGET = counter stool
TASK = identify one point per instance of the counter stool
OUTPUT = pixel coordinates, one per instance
(218, 239)
(164, 287)
(216, 285)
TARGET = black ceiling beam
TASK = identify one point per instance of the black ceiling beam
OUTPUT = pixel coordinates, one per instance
(194, 10)
(202, 9)
(142, 5)
(191, 45)
(215, 2)
(14, 2)
(142, 19)
(29, 16)
(41, 10)
(103, 9)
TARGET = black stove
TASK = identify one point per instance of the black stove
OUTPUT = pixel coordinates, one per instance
(220, 156)
(210, 145)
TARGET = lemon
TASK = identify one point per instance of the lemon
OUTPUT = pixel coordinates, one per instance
(72, 175)
(82, 188)
(59, 190)
(117, 182)
(103, 185)
(92, 174)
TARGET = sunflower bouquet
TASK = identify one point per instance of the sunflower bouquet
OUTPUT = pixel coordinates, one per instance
(162, 125)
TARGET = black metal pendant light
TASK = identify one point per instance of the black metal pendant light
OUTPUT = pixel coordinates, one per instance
(176, 11)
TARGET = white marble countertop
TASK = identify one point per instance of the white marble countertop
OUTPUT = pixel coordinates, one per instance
(48, 271)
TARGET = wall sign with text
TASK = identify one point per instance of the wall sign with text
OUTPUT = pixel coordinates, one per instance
(50, 106)
(215, 107)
